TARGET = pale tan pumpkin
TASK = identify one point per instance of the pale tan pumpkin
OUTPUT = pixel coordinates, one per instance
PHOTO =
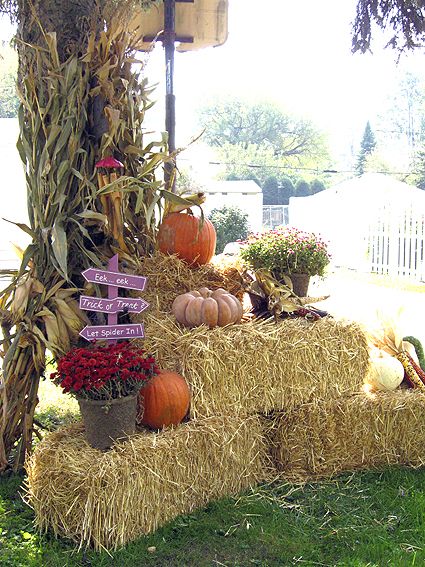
(211, 308)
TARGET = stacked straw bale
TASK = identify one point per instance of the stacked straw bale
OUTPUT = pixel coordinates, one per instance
(366, 431)
(168, 276)
(256, 366)
(238, 374)
(108, 499)
(260, 366)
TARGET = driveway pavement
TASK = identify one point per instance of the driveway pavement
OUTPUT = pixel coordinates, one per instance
(361, 297)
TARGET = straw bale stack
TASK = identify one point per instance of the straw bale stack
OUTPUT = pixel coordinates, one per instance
(256, 366)
(260, 366)
(108, 499)
(366, 431)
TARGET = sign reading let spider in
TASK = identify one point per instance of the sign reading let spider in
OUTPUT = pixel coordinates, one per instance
(113, 304)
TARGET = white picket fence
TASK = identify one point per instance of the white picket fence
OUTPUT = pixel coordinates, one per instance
(373, 223)
(396, 240)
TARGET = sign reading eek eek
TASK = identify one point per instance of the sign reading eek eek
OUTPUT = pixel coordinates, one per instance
(114, 304)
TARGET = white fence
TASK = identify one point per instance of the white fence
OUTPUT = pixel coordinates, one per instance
(396, 242)
(373, 223)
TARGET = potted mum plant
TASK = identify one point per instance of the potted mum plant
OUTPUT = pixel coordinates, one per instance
(105, 380)
(287, 251)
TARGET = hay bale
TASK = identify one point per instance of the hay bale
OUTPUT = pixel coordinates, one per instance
(168, 276)
(359, 432)
(108, 499)
(259, 366)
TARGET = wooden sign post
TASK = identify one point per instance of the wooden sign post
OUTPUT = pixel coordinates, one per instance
(114, 304)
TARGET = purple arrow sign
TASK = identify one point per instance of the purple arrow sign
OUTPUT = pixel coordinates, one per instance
(116, 279)
(116, 305)
(113, 332)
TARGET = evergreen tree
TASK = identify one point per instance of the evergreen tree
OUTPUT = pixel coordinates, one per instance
(302, 188)
(287, 190)
(271, 192)
(316, 186)
(367, 147)
(420, 169)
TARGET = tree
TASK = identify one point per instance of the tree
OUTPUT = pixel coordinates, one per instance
(367, 147)
(277, 191)
(316, 186)
(254, 162)
(258, 140)
(419, 164)
(230, 224)
(188, 182)
(271, 193)
(287, 189)
(402, 121)
(405, 18)
(302, 188)
(238, 122)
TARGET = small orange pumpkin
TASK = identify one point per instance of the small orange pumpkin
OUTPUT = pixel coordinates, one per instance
(163, 401)
(187, 236)
(211, 308)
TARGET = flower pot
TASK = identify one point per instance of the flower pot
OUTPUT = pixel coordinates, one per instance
(300, 283)
(107, 421)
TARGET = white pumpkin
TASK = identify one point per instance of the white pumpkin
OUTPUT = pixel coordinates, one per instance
(386, 373)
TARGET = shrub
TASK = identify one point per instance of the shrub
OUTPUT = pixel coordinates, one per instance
(230, 224)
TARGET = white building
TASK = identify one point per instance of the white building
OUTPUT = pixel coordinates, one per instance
(246, 195)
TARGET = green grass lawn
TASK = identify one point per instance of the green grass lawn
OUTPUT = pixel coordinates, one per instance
(357, 520)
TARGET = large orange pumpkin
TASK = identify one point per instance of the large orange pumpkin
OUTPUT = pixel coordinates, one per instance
(188, 237)
(163, 401)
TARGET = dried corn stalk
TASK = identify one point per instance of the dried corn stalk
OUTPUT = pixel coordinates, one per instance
(73, 112)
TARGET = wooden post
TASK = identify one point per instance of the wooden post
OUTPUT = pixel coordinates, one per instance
(168, 41)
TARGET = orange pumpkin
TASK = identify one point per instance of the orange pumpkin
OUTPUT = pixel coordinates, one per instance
(188, 237)
(211, 308)
(163, 401)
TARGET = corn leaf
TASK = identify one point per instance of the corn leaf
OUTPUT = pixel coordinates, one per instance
(60, 247)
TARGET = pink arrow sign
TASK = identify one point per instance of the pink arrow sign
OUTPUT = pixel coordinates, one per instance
(116, 305)
(116, 279)
(113, 332)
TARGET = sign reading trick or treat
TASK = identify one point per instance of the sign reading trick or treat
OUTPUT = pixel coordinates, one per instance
(113, 304)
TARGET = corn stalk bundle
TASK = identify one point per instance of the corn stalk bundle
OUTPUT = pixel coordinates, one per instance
(73, 112)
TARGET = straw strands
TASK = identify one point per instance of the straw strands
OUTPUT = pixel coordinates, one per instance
(359, 432)
(260, 366)
(108, 499)
(253, 367)
(168, 276)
